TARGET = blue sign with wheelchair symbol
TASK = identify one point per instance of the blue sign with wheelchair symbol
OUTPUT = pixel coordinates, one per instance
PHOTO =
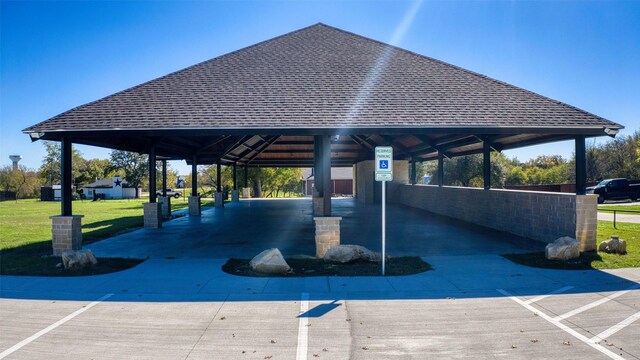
(384, 164)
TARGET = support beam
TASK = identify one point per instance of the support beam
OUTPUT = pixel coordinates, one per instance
(218, 176)
(413, 171)
(326, 178)
(152, 174)
(581, 166)
(246, 176)
(65, 177)
(317, 165)
(235, 177)
(164, 178)
(486, 164)
(194, 176)
(440, 168)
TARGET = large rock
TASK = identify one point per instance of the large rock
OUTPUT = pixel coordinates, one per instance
(349, 253)
(563, 248)
(613, 246)
(269, 262)
(78, 259)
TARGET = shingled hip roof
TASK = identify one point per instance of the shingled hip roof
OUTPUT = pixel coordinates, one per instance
(321, 77)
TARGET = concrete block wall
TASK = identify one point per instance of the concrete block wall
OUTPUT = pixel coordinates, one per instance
(152, 214)
(166, 206)
(66, 232)
(327, 233)
(535, 215)
(364, 179)
(194, 206)
(587, 221)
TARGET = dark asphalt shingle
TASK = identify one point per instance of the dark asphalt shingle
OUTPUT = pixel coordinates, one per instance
(317, 77)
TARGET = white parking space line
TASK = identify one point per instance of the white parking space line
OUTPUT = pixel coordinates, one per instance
(595, 303)
(554, 292)
(615, 328)
(565, 328)
(303, 329)
(35, 336)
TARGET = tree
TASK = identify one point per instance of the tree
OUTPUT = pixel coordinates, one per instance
(93, 170)
(133, 165)
(50, 169)
(24, 182)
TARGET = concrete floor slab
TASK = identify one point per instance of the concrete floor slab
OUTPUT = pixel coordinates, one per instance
(244, 229)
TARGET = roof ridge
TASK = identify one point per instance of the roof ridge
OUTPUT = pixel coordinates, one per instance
(501, 82)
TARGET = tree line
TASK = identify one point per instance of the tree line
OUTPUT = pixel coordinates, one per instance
(134, 168)
(619, 157)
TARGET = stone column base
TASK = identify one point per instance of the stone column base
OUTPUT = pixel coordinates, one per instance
(246, 193)
(587, 221)
(235, 196)
(152, 215)
(165, 202)
(194, 205)
(219, 200)
(327, 233)
(66, 233)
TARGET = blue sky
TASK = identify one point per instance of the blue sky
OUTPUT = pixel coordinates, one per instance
(58, 55)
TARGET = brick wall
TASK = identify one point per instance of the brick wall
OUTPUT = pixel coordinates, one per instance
(535, 215)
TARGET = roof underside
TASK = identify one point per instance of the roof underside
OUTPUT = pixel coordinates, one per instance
(262, 105)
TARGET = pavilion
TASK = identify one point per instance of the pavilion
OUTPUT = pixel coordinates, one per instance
(321, 97)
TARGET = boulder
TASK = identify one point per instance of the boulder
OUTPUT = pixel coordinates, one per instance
(613, 246)
(563, 248)
(270, 261)
(348, 253)
(78, 259)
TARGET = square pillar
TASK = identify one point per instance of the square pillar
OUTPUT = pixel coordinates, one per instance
(318, 202)
(246, 193)
(194, 205)
(587, 221)
(165, 204)
(219, 199)
(327, 233)
(235, 195)
(66, 233)
(152, 215)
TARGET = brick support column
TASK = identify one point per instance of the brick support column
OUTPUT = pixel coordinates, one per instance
(219, 200)
(246, 193)
(66, 233)
(327, 233)
(152, 215)
(235, 196)
(587, 221)
(165, 204)
(194, 205)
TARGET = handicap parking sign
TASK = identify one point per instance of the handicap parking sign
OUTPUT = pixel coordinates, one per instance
(384, 164)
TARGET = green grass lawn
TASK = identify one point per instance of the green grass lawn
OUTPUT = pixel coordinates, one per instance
(25, 227)
(592, 260)
(619, 207)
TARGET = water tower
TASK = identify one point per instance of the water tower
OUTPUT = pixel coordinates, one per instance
(15, 159)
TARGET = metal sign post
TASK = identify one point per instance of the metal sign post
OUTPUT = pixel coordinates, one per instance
(384, 173)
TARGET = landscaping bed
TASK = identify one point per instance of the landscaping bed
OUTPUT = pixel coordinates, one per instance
(592, 260)
(48, 266)
(395, 266)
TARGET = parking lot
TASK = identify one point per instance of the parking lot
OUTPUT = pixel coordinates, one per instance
(467, 307)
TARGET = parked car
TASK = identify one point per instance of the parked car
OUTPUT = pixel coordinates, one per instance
(615, 189)
(170, 192)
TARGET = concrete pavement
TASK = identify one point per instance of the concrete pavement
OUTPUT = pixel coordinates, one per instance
(190, 309)
(246, 228)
